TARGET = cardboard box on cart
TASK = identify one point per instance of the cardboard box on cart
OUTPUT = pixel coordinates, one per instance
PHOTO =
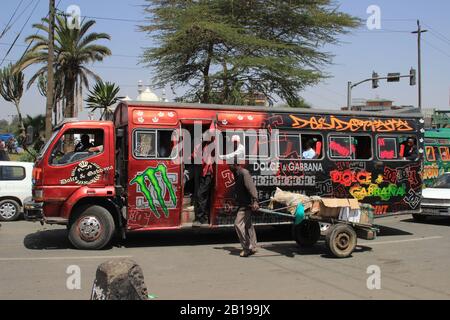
(332, 207)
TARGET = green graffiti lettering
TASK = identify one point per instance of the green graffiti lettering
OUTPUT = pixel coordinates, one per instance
(140, 181)
(169, 186)
(151, 175)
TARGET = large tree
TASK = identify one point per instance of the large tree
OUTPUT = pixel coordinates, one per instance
(75, 49)
(223, 50)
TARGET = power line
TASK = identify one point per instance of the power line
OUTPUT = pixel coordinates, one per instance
(31, 42)
(20, 32)
(436, 48)
(438, 35)
(7, 27)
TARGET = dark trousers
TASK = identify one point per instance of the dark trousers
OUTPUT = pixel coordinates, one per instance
(203, 198)
(245, 229)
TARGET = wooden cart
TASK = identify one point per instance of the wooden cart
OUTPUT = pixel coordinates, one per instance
(340, 236)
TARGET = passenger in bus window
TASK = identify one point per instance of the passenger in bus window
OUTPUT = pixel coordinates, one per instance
(411, 152)
(309, 152)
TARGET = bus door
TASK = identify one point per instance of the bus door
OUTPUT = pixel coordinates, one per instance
(228, 127)
(192, 131)
(156, 177)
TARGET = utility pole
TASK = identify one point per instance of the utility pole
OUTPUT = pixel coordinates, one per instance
(50, 71)
(419, 32)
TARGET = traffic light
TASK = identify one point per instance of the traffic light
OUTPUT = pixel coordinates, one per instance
(375, 80)
(412, 77)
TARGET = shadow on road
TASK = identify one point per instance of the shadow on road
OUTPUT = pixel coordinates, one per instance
(388, 232)
(57, 239)
(47, 240)
(436, 221)
(291, 250)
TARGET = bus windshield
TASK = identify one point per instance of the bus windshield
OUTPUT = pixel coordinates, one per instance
(47, 145)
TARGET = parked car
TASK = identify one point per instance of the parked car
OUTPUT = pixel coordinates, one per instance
(436, 199)
(15, 187)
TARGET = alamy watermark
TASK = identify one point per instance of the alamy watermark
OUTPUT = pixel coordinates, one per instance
(374, 280)
(73, 13)
(374, 20)
(73, 281)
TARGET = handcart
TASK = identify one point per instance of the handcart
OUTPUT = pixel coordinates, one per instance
(340, 235)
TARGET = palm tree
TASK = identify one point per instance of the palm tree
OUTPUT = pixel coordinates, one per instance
(11, 89)
(74, 49)
(102, 97)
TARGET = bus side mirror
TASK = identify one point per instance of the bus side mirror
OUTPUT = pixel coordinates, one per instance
(120, 133)
(30, 135)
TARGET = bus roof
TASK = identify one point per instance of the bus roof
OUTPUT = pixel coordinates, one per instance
(174, 105)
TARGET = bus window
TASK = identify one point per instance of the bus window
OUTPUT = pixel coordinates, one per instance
(408, 149)
(290, 146)
(144, 144)
(340, 147)
(387, 148)
(312, 146)
(431, 155)
(362, 147)
(165, 144)
(226, 144)
(256, 146)
(152, 144)
(444, 153)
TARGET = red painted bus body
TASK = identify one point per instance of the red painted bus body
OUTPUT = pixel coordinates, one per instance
(357, 155)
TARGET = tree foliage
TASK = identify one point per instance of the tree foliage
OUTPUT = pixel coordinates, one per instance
(11, 89)
(74, 50)
(102, 96)
(221, 50)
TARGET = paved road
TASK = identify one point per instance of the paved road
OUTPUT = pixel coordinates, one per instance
(414, 260)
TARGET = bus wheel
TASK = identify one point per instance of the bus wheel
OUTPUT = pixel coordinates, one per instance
(419, 217)
(341, 240)
(92, 229)
(307, 233)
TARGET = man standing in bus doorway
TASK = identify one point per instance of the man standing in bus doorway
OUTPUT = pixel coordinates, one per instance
(246, 198)
(206, 179)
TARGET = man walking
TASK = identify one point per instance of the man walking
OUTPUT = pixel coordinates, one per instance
(246, 197)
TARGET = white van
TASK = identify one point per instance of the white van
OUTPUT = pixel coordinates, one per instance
(15, 187)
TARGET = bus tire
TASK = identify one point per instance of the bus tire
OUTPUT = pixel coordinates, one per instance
(92, 229)
(341, 240)
(419, 217)
(307, 233)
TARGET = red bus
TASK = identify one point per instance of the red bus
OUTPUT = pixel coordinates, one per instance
(138, 177)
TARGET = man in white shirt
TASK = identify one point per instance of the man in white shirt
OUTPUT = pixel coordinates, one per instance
(309, 152)
(239, 149)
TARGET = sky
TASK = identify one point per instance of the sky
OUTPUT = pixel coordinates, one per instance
(390, 49)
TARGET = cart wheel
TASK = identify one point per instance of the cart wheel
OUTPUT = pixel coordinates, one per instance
(307, 233)
(341, 240)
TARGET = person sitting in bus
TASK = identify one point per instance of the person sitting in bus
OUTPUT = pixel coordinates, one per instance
(309, 152)
(84, 145)
(411, 152)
